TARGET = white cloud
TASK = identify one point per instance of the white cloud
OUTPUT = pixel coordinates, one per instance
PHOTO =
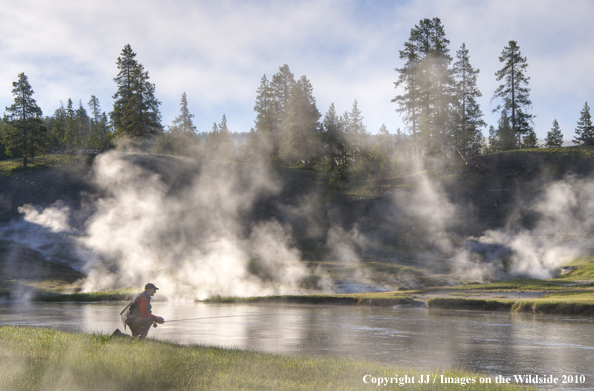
(217, 51)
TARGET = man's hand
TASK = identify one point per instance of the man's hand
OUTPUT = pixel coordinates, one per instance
(159, 320)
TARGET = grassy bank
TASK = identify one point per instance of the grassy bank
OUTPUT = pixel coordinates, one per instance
(40, 359)
(538, 306)
(383, 299)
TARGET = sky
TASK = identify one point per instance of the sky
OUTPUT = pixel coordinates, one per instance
(218, 51)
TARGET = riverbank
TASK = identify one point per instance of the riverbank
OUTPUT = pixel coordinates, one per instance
(565, 295)
(557, 296)
(42, 359)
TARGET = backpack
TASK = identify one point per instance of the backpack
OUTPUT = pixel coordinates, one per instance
(125, 314)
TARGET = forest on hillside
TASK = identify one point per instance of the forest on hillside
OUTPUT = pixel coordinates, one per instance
(437, 99)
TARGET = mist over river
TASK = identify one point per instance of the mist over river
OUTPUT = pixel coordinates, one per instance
(493, 343)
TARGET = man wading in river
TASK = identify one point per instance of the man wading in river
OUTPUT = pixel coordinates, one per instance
(140, 318)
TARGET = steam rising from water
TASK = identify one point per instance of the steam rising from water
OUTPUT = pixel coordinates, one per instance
(195, 241)
(194, 236)
(562, 232)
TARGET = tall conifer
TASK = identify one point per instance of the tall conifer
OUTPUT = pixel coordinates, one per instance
(584, 130)
(135, 109)
(427, 81)
(514, 91)
(467, 115)
(25, 134)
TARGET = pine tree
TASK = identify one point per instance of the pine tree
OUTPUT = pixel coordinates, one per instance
(3, 127)
(554, 136)
(267, 122)
(427, 81)
(70, 140)
(335, 145)
(182, 129)
(514, 92)
(100, 137)
(183, 122)
(266, 117)
(408, 78)
(356, 134)
(502, 138)
(584, 130)
(83, 126)
(218, 144)
(57, 130)
(382, 150)
(282, 84)
(530, 140)
(301, 141)
(467, 115)
(135, 109)
(26, 133)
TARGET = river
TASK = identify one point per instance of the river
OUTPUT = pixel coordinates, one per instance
(493, 343)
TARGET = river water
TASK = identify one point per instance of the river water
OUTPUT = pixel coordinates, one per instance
(493, 343)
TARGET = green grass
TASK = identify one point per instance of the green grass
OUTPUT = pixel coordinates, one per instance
(13, 166)
(117, 295)
(373, 299)
(39, 359)
(584, 270)
(522, 284)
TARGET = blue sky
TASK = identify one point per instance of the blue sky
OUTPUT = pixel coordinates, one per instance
(217, 52)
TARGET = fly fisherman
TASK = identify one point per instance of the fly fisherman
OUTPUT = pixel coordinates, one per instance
(141, 318)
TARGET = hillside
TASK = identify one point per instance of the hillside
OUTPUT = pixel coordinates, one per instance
(388, 232)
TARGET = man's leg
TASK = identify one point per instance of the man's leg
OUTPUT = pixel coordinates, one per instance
(139, 325)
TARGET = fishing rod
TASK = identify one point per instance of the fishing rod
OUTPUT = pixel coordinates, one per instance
(211, 317)
(214, 317)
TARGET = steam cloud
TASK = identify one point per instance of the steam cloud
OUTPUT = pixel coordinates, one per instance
(564, 221)
(194, 235)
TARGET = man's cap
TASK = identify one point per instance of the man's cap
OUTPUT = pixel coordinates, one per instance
(150, 285)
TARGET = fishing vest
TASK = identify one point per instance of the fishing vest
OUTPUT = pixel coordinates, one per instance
(134, 309)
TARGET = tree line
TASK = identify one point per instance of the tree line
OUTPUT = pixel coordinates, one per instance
(437, 101)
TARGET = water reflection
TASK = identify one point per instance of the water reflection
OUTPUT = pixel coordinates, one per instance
(492, 343)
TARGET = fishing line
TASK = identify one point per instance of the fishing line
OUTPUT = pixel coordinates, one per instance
(216, 317)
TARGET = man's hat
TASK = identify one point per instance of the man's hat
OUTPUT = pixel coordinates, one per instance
(150, 285)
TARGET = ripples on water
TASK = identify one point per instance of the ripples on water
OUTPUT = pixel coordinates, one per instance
(494, 343)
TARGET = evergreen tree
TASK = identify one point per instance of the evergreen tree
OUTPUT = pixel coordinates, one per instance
(3, 127)
(267, 120)
(584, 130)
(83, 126)
(218, 144)
(428, 82)
(183, 122)
(26, 134)
(514, 92)
(182, 129)
(135, 109)
(408, 78)
(282, 84)
(70, 140)
(100, 137)
(467, 115)
(301, 142)
(382, 151)
(58, 129)
(554, 136)
(493, 140)
(251, 150)
(503, 138)
(356, 134)
(530, 140)
(335, 144)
